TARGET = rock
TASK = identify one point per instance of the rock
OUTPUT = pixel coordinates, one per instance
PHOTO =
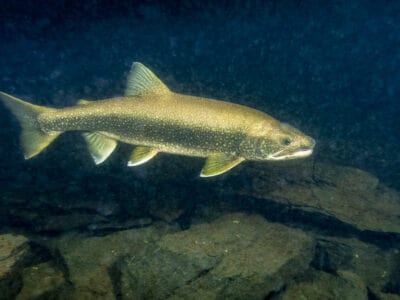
(323, 285)
(237, 256)
(156, 273)
(350, 195)
(384, 296)
(377, 268)
(42, 282)
(393, 285)
(13, 250)
(90, 260)
(331, 256)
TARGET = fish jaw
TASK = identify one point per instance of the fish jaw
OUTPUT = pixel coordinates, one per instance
(303, 151)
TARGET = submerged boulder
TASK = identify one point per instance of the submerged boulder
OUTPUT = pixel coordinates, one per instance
(350, 195)
(90, 260)
(42, 281)
(237, 256)
(330, 256)
(378, 268)
(321, 285)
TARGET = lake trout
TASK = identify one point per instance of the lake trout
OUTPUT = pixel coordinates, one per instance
(155, 119)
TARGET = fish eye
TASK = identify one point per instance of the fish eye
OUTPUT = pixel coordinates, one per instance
(286, 141)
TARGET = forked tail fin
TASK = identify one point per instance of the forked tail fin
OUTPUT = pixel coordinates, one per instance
(33, 139)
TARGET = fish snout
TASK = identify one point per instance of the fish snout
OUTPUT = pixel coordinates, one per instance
(306, 147)
(311, 143)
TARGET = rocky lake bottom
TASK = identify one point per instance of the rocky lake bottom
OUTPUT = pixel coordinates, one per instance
(302, 230)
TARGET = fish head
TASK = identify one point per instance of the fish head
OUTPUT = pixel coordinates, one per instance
(274, 140)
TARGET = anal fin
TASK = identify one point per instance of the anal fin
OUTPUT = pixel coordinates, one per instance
(100, 146)
(141, 155)
(218, 164)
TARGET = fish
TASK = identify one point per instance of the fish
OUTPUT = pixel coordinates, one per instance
(155, 119)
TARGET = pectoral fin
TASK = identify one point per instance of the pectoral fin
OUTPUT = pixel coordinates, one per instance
(141, 155)
(218, 164)
(84, 102)
(100, 146)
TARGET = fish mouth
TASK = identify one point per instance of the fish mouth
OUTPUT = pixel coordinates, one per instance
(286, 154)
(298, 154)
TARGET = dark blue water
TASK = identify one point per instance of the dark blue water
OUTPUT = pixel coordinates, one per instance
(331, 69)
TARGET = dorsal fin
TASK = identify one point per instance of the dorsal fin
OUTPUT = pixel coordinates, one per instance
(143, 81)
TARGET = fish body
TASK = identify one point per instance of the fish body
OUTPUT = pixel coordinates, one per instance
(170, 123)
(155, 119)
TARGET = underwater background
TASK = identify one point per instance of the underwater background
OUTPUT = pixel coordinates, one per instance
(324, 227)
